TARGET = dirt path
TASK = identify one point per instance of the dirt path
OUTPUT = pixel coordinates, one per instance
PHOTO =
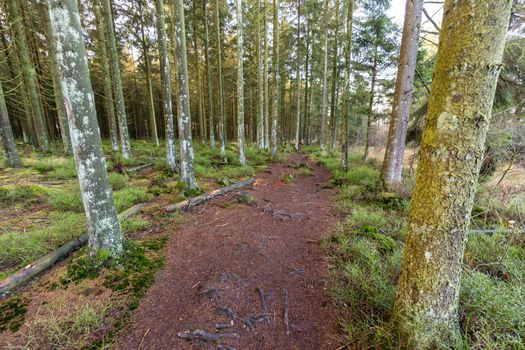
(216, 263)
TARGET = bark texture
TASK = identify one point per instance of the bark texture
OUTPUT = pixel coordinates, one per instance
(299, 82)
(165, 75)
(105, 235)
(187, 172)
(467, 69)
(395, 147)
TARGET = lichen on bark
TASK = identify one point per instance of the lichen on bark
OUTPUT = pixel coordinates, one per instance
(467, 67)
(104, 230)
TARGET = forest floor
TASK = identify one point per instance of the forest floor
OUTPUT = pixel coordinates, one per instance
(226, 255)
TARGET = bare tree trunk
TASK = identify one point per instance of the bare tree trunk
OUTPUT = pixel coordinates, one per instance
(266, 82)
(6, 135)
(221, 86)
(165, 75)
(187, 172)
(395, 146)
(372, 96)
(151, 103)
(467, 68)
(306, 82)
(348, 71)
(211, 115)
(202, 124)
(299, 81)
(105, 235)
(29, 75)
(117, 82)
(334, 108)
(276, 73)
(324, 111)
(240, 84)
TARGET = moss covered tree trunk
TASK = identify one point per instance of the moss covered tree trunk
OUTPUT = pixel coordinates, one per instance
(165, 76)
(467, 68)
(240, 84)
(187, 172)
(105, 235)
(6, 135)
(395, 147)
(106, 72)
(117, 82)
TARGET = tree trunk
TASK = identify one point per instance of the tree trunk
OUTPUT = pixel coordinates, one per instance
(372, 96)
(105, 235)
(6, 135)
(348, 90)
(334, 108)
(151, 103)
(29, 75)
(106, 71)
(240, 84)
(57, 86)
(298, 115)
(202, 124)
(276, 73)
(395, 146)
(260, 79)
(211, 115)
(187, 172)
(222, 136)
(467, 68)
(324, 111)
(165, 75)
(117, 82)
(266, 82)
(306, 81)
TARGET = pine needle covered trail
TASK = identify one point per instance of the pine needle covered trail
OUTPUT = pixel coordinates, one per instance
(246, 274)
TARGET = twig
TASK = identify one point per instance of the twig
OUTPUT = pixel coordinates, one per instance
(286, 319)
(143, 338)
(199, 334)
(264, 302)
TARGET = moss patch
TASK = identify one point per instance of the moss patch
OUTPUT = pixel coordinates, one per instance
(12, 313)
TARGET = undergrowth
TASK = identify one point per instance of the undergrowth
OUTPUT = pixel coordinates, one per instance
(365, 255)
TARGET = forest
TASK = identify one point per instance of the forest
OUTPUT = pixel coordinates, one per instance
(262, 174)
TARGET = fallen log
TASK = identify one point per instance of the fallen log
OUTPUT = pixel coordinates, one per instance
(25, 274)
(185, 205)
(139, 167)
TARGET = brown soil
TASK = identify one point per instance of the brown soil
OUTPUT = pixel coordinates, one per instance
(225, 252)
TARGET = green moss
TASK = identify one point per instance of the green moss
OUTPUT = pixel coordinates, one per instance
(66, 199)
(22, 194)
(288, 178)
(134, 225)
(118, 181)
(17, 249)
(129, 196)
(64, 171)
(12, 313)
